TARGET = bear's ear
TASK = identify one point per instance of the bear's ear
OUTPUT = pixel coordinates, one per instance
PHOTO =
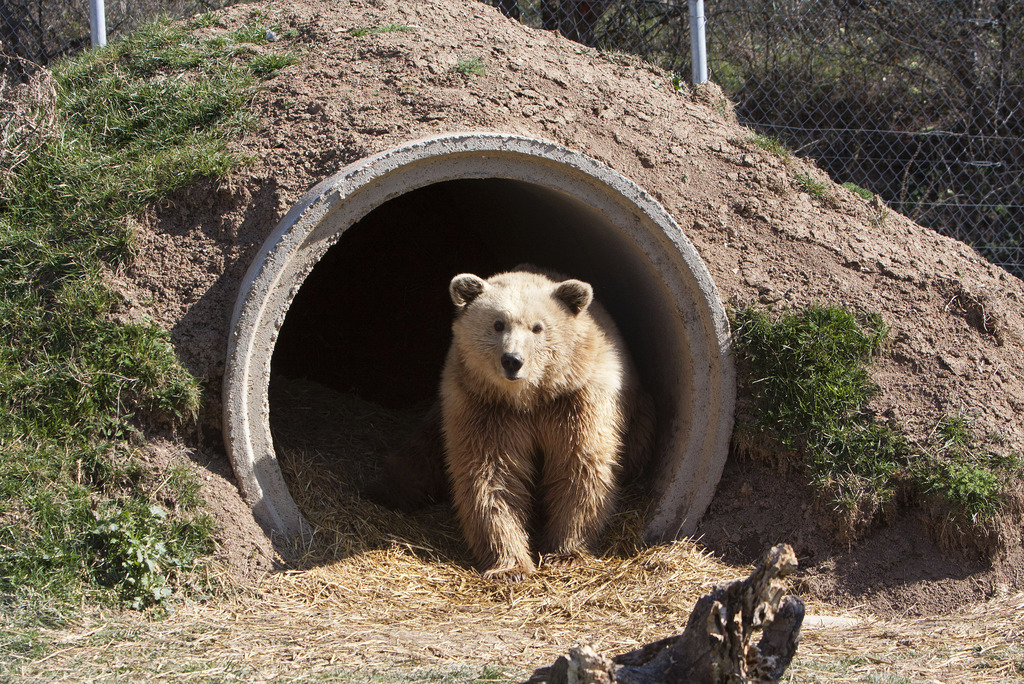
(466, 287)
(575, 294)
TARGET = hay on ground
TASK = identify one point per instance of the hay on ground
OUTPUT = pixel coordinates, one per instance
(395, 598)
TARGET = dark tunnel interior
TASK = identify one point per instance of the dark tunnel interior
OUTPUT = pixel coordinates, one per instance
(373, 317)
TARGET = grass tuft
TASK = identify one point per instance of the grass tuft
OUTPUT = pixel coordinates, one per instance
(470, 66)
(811, 187)
(769, 143)
(132, 122)
(361, 31)
(806, 373)
(139, 549)
(205, 20)
(959, 468)
(863, 193)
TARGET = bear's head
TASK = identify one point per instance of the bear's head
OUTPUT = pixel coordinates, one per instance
(518, 332)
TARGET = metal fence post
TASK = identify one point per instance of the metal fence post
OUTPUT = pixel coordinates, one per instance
(698, 44)
(98, 23)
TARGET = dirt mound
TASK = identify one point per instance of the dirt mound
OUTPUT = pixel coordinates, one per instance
(447, 65)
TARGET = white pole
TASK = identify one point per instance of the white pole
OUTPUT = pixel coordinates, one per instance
(698, 44)
(98, 23)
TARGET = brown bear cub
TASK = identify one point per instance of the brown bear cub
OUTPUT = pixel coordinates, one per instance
(541, 411)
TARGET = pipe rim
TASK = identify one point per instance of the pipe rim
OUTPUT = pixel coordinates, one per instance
(687, 479)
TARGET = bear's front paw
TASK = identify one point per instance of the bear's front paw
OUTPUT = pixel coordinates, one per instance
(560, 560)
(512, 573)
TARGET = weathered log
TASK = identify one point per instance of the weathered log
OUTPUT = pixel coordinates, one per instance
(715, 646)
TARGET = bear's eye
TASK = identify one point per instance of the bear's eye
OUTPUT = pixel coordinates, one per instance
(538, 328)
(499, 325)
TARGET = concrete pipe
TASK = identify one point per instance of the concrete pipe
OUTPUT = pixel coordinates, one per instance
(389, 231)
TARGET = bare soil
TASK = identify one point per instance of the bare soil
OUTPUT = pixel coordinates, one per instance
(957, 322)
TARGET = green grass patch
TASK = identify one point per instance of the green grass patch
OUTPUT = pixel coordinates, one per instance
(964, 470)
(816, 190)
(267, 65)
(807, 374)
(863, 193)
(140, 548)
(811, 187)
(361, 31)
(254, 33)
(205, 20)
(769, 143)
(471, 66)
(134, 121)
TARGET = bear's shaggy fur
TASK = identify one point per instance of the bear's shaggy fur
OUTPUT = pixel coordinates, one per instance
(541, 410)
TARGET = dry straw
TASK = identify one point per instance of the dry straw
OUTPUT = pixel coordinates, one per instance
(385, 597)
(390, 616)
(27, 111)
(414, 570)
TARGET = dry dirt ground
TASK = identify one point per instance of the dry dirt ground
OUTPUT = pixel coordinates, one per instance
(957, 324)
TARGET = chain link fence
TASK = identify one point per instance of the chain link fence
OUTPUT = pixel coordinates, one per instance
(656, 31)
(41, 30)
(919, 101)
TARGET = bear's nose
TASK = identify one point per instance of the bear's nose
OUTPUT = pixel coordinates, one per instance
(511, 363)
